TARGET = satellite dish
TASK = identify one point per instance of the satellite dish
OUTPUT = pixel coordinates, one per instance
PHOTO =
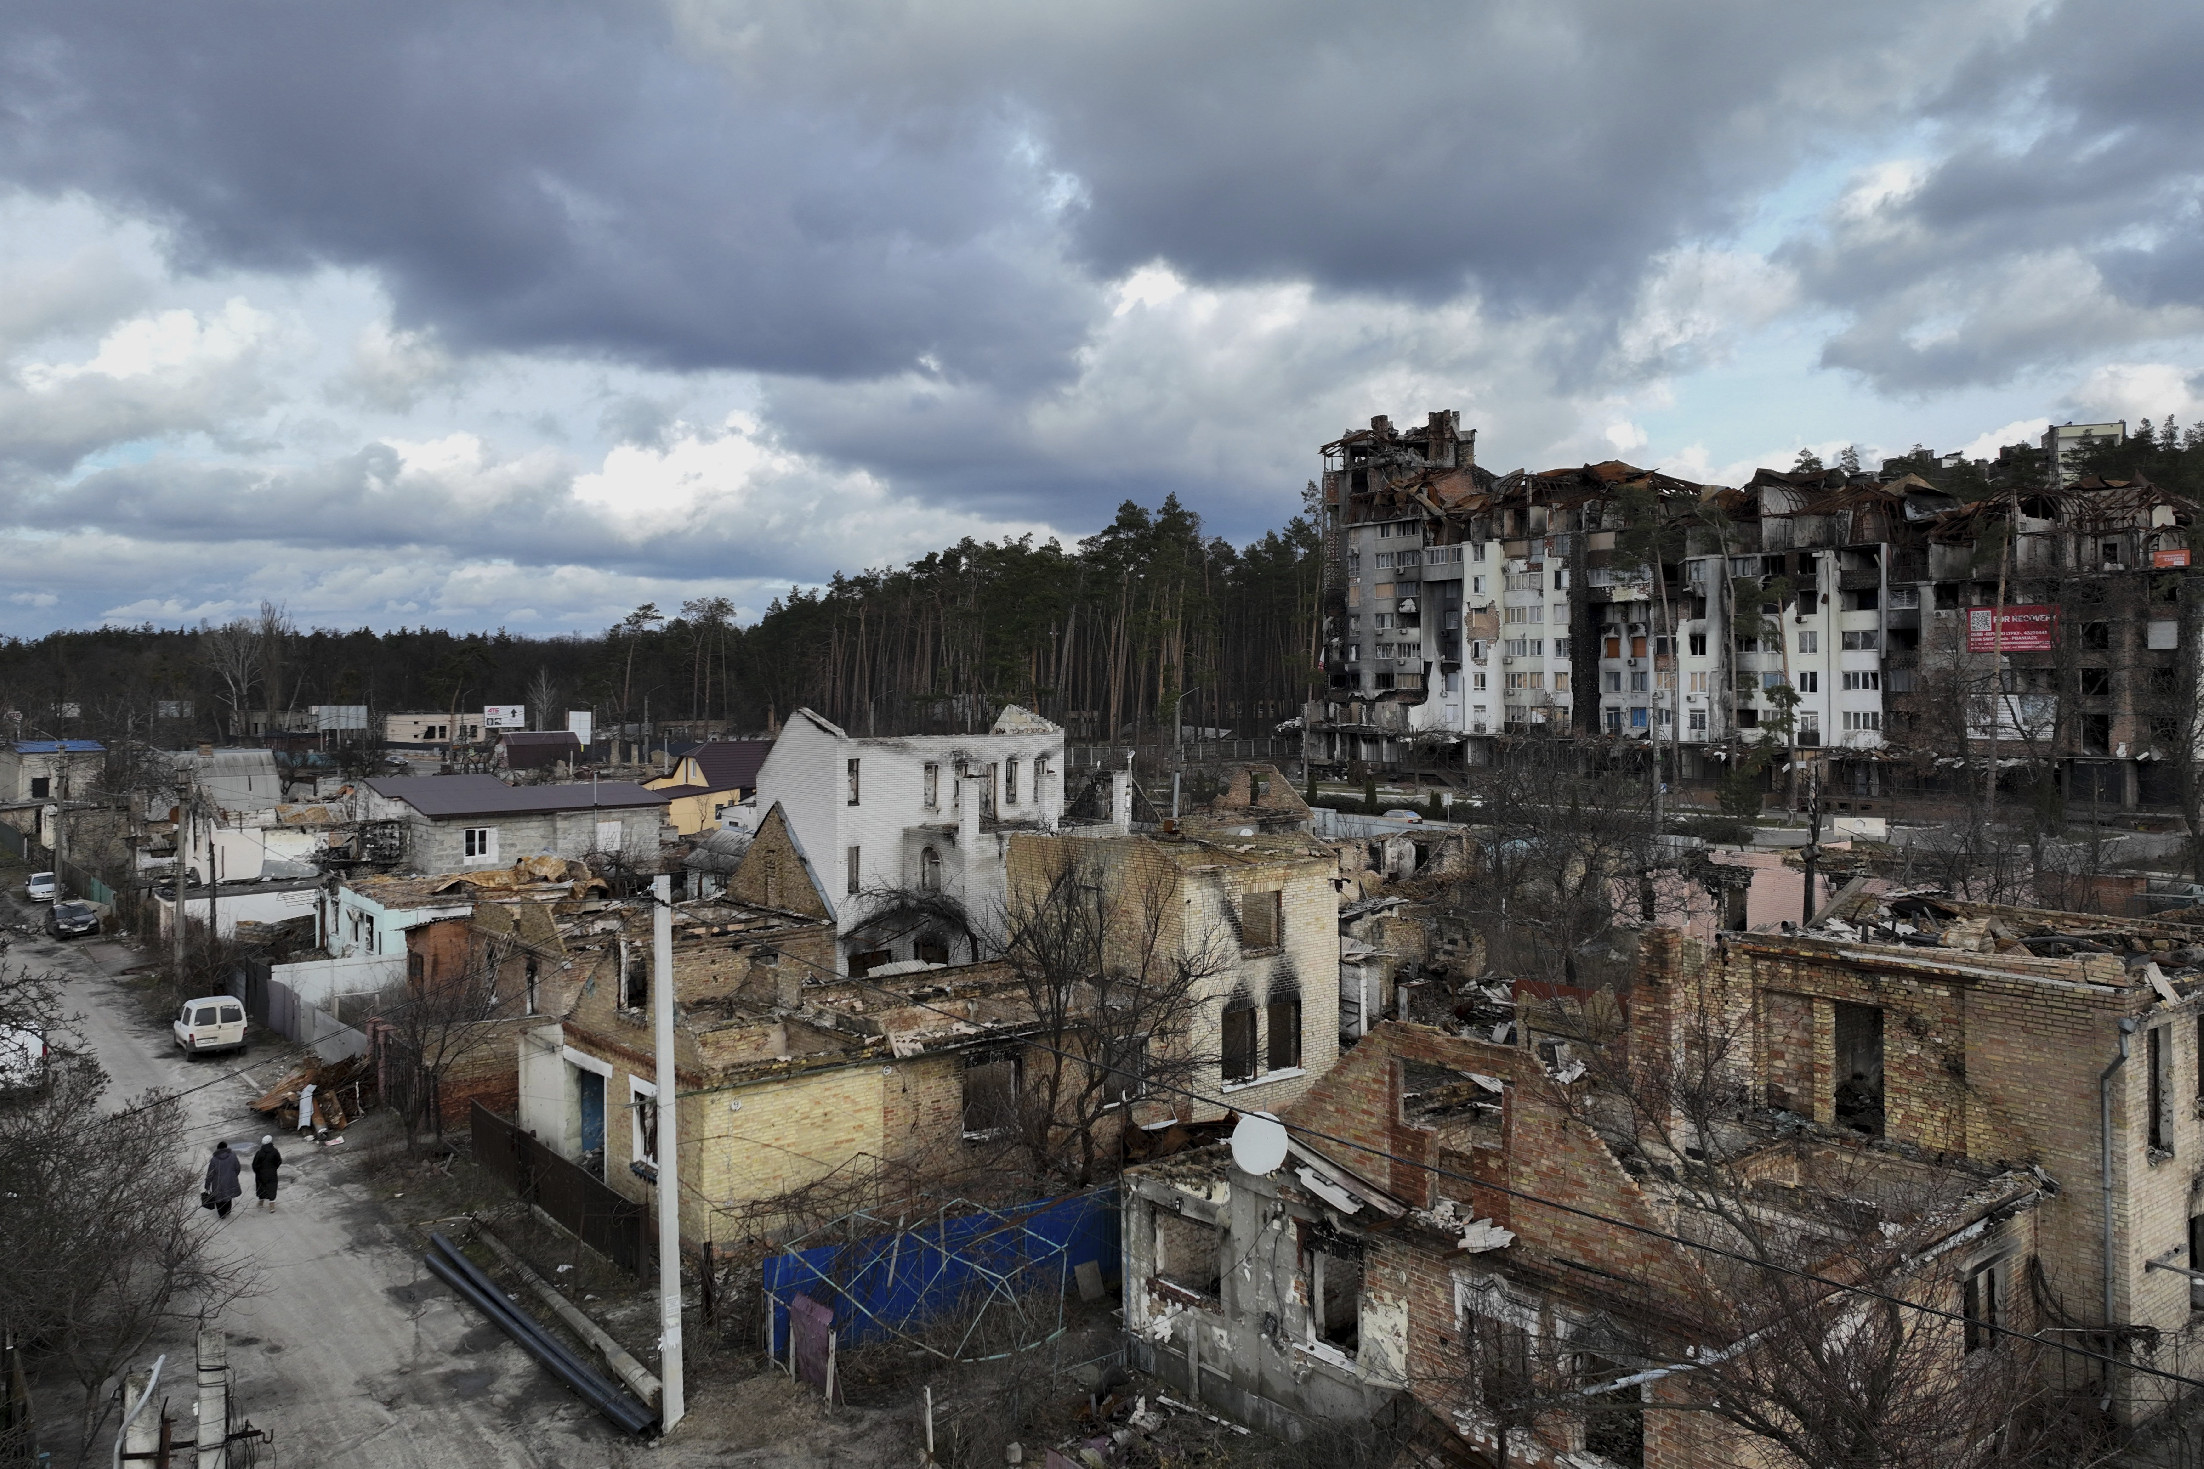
(1258, 1143)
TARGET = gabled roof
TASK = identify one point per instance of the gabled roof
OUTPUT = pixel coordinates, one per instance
(729, 765)
(485, 795)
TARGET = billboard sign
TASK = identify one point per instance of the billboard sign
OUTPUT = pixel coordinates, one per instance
(2012, 629)
(337, 716)
(504, 716)
(2172, 560)
(578, 720)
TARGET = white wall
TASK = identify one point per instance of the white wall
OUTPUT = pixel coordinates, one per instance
(318, 981)
(807, 773)
(232, 908)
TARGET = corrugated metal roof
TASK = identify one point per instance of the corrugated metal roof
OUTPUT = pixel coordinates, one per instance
(485, 795)
(58, 747)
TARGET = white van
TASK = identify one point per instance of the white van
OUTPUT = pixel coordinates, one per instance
(42, 888)
(215, 1023)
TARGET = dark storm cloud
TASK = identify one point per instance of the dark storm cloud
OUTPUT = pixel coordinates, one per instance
(839, 190)
(2059, 216)
(544, 176)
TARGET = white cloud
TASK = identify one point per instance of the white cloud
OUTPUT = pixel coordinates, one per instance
(34, 599)
(2137, 390)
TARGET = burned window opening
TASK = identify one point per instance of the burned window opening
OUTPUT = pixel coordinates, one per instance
(1335, 1293)
(990, 1094)
(1859, 1068)
(2161, 1090)
(1239, 1060)
(1186, 1254)
(634, 976)
(1260, 921)
(1283, 1018)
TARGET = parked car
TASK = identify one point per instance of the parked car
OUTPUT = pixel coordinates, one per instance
(22, 1061)
(72, 919)
(211, 1023)
(42, 888)
(1402, 813)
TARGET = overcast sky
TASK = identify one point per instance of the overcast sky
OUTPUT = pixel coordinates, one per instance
(518, 313)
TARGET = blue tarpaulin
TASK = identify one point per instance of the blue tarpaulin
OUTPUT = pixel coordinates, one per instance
(879, 1284)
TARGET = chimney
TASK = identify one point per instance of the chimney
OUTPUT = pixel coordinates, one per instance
(1121, 801)
(206, 752)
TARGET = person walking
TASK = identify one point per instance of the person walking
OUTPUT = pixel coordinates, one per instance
(222, 1187)
(265, 1163)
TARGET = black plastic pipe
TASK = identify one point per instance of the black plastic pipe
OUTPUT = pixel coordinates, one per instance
(449, 1265)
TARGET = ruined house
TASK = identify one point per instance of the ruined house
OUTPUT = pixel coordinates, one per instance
(1449, 1229)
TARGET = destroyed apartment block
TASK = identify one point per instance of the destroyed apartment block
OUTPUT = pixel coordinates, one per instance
(1849, 618)
(1450, 1225)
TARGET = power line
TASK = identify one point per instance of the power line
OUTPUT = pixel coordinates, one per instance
(1633, 1227)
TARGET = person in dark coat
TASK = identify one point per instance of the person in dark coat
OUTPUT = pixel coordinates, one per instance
(222, 1171)
(265, 1163)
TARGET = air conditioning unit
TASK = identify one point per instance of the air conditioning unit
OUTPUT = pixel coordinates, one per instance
(1507, 658)
(1635, 662)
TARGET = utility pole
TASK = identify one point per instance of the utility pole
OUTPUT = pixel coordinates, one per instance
(141, 1439)
(183, 869)
(213, 1431)
(670, 1406)
(1813, 838)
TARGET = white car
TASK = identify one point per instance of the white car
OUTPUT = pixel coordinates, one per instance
(42, 888)
(213, 1023)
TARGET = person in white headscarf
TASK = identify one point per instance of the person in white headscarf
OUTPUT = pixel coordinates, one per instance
(265, 1163)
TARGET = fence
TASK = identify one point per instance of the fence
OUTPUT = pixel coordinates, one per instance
(881, 1283)
(12, 843)
(278, 1006)
(608, 1222)
(1198, 752)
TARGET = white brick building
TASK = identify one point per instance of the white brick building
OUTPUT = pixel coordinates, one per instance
(928, 813)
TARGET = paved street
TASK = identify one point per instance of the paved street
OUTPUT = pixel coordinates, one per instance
(349, 1351)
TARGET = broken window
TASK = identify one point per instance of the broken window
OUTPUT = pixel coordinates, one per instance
(929, 869)
(529, 973)
(2161, 1090)
(990, 1094)
(1859, 1058)
(1010, 782)
(853, 786)
(1984, 1305)
(2196, 1261)
(634, 976)
(1259, 921)
(932, 949)
(933, 785)
(1500, 1361)
(2096, 681)
(852, 865)
(1186, 1253)
(1239, 1039)
(1335, 1293)
(1284, 1020)
(863, 964)
(1125, 1058)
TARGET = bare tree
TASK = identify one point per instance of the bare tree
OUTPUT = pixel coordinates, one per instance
(232, 652)
(99, 1245)
(1746, 1330)
(544, 697)
(436, 1021)
(1117, 977)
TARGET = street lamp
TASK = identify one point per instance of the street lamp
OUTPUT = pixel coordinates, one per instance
(1178, 745)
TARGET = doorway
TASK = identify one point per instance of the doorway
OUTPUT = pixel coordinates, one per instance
(593, 1122)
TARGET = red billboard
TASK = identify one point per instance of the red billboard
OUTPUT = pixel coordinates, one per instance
(2012, 629)
(2169, 560)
